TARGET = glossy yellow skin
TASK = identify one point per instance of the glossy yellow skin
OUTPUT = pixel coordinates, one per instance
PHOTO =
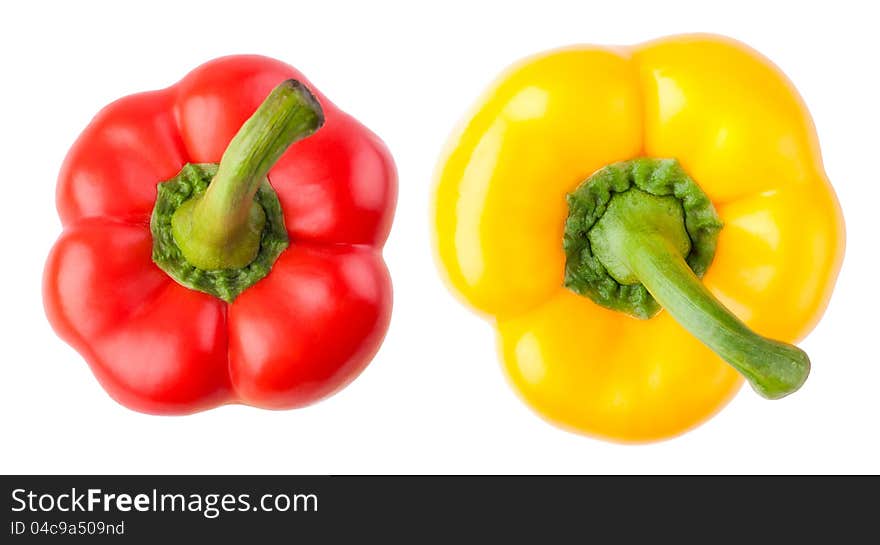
(737, 126)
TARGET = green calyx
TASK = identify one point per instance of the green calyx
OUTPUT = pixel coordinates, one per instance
(220, 228)
(226, 284)
(638, 237)
(642, 186)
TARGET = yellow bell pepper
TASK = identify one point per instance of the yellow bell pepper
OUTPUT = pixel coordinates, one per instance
(591, 186)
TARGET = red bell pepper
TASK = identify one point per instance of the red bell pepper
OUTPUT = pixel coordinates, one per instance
(235, 293)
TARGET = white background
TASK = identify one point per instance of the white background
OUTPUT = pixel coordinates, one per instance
(434, 400)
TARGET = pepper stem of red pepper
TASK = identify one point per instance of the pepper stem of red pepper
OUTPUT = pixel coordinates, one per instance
(222, 228)
(641, 232)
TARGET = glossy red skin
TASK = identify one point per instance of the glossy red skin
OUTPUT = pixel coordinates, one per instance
(298, 335)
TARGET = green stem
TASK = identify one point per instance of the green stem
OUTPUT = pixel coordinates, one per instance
(774, 369)
(221, 228)
(641, 238)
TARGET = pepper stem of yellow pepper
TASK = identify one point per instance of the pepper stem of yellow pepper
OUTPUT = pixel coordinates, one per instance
(774, 369)
(641, 218)
(222, 228)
